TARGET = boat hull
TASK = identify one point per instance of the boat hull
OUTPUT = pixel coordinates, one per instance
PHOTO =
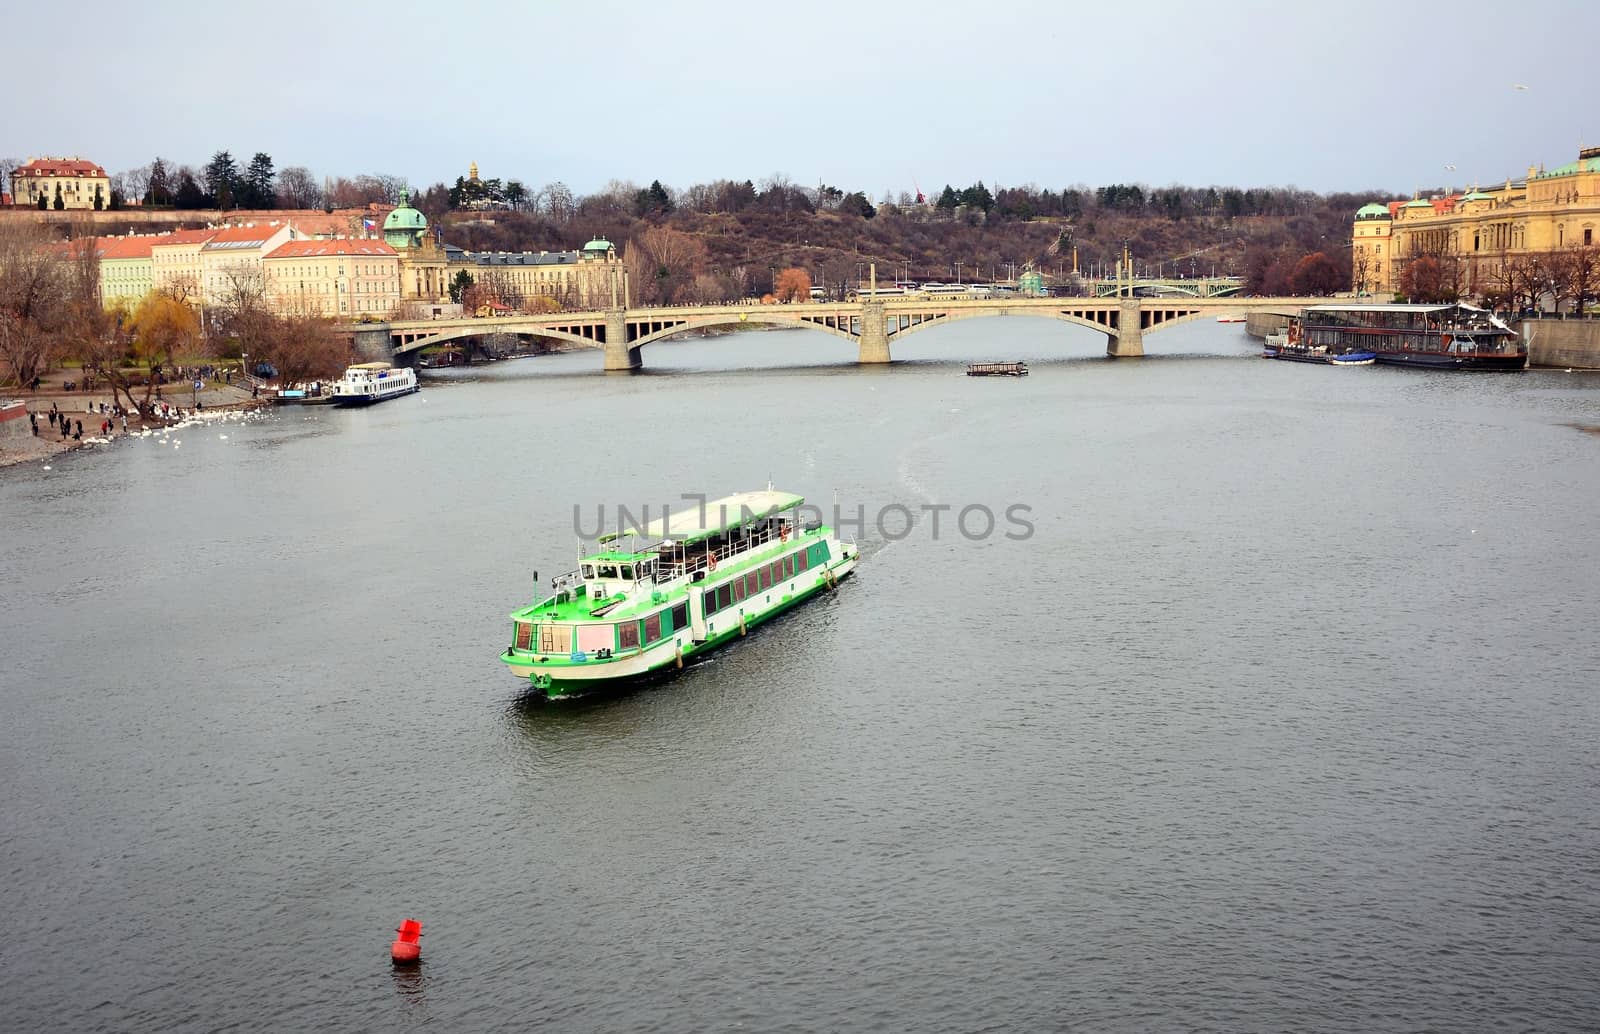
(351, 401)
(1452, 361)
(556, 681)
(1290, 356)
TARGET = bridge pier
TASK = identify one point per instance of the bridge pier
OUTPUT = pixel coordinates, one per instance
(874, 346)
(374, 344)
(1129, 339)
(618, 355)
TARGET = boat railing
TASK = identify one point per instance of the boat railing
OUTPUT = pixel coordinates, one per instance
(702, 559)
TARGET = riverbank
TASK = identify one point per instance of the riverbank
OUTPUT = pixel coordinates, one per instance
(84, 407)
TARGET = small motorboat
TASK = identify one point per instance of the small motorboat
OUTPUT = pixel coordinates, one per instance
(1354, 359)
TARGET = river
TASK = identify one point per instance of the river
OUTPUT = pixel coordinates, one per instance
(1282, 718)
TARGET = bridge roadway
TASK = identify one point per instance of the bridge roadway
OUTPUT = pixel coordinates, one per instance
(871, 325)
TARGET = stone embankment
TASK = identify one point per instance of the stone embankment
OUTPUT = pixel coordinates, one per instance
(1567, 344)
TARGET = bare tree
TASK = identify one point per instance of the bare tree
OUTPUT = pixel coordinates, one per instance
(662, 260)
(297, 188)
(34, 287)
(240, 315)
(305, 348)
(1554, 272)
(1584, 275)
(558, 202)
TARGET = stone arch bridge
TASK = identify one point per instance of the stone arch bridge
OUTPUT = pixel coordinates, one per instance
(871, 325)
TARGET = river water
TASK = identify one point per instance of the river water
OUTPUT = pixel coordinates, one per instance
(1282, 718)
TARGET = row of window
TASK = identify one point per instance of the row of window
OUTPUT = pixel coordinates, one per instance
(624, 635)
(764, 577)
(557, 639)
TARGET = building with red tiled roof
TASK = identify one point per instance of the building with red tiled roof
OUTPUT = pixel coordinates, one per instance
(231, 260)
(61, 183)
(127, 272)
(343, 278)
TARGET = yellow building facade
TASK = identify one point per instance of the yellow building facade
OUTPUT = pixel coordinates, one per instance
(76, 183)
(1482, 228)
(590, 278)
(346, 278)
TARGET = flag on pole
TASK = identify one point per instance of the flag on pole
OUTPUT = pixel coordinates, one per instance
(368, 223)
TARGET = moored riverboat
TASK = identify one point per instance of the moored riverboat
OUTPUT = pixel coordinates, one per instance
(1287, 345)
(366, 383)
(1453, 336)
(1016, 369)
(656, 594)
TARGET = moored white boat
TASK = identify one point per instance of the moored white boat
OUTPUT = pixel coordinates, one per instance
(366, 383)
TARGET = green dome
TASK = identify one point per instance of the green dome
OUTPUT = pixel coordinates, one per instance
(1373, 211)
(598, 244)
(1417, 202)
(1477, 195)
(405, 217)
(404, 227)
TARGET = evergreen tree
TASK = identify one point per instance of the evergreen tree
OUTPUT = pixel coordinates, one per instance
(459, 285)
(159, 192)
(99, 199)
(222, 180)
(259, 189)
(948, 199)
(60, 202)
(189, 195)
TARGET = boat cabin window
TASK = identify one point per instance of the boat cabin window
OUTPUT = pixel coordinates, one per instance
(627, 571)
(588, 570)
(646, 569)
(608, 570)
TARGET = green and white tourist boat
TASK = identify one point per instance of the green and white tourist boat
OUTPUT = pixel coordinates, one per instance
(659, 593)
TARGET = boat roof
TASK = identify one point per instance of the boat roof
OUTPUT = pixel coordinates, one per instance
(717, 515)
(373, 366)
(1393, 307)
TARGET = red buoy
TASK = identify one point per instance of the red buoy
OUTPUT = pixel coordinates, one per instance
(407, 947)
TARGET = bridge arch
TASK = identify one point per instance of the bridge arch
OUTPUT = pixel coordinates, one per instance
(745, 319)
(444, 337)
(936, 319)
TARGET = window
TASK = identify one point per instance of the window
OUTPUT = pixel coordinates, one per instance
(1588, 236)
(751, 584)
(708, 602)
(555, 638)
(524, 634)
(652, 628)
(776, 567)
(628, 635)
(680, 616)
(738, 589)
(766, 577)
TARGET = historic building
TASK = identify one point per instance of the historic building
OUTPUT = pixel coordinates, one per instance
(127, 269)
(230, 261)
(423, 266)
(590, 278)
(1482, 228)
(346, 277)
(41, 182)
(175, 262)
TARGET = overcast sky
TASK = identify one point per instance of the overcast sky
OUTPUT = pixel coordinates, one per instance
(1356, 96)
